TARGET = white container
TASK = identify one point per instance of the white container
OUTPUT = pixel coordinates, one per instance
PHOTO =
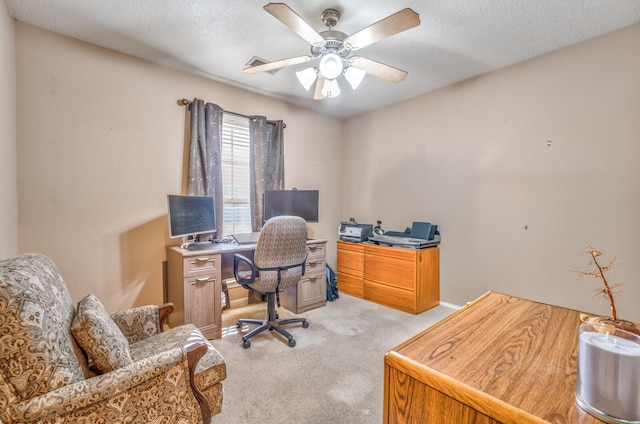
(608, 382)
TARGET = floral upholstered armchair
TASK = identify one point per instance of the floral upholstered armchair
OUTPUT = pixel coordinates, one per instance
(61, 364)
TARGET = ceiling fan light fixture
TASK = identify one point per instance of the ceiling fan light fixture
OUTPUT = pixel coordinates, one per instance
(331, 66)
(330, 88)
(333, 50)
(307, 77)
(354, 76)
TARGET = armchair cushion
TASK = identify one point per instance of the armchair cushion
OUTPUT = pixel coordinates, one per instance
(212, 362)
(99, 336)
(37, 350)
(153, 390)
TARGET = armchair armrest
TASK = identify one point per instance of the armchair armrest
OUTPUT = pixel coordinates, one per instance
(141, 322)
(158, 388)
(195, 352)
(164, 311)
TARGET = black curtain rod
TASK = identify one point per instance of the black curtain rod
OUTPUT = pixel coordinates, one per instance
(185, 102)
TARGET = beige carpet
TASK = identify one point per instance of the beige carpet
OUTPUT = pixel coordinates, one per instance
(333, 375)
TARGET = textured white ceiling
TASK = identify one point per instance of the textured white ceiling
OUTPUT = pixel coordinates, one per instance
(456, 40)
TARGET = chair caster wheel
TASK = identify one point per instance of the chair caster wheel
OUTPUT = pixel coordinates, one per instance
(305, 324)
(246, 344)
(292, 343)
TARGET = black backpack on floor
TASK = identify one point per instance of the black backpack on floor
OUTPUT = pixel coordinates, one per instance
(332, 285)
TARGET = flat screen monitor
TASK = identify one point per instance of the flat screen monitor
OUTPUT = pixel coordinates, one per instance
(302, 203)
(191, 215)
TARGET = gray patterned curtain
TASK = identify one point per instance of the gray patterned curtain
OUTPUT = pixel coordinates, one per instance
(205, 166)
(266, 164)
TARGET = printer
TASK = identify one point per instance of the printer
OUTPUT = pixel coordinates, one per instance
(352, 231)
(419, 236)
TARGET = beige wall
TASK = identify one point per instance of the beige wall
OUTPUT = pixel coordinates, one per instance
(101, 140)
(474, 159)
(8, 184)
(100, 144)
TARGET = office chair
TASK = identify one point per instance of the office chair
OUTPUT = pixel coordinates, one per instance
(278, 263)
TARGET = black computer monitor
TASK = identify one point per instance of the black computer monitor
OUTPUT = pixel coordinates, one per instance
(191, 215)
(302, 203)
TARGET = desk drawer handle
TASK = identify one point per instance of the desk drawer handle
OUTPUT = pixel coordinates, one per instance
(203, 259)
(313, 263)
(314, 277)
(202, 280)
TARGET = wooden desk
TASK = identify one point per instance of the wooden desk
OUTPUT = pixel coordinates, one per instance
(500, 359)
(194, 283)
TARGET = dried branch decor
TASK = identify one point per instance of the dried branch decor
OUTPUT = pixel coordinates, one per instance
(608, 291)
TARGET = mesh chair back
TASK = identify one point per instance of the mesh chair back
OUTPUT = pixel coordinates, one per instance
(282, 242)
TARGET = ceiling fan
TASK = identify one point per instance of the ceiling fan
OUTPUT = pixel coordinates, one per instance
(332, 50)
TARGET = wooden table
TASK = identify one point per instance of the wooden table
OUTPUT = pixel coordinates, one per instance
(500, 359)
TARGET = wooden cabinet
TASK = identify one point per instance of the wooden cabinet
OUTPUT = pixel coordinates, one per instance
(500, 359)
(311, 291)
(194, 287)
(401, 278)
(350, 269)
(404, 279)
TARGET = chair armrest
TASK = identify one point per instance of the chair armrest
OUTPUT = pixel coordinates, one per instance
(141, 322)
(279, 268)
(242, 278)
(195, 352)
(160, 386)
(164, 311)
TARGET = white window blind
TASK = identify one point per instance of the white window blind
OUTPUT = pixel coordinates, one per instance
(235, 174)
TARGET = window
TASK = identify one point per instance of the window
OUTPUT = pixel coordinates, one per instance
(236, 206)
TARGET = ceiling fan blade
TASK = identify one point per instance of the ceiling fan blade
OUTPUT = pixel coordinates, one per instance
(378, 69)
(317, 94)
(287, 16)
(398, 22)
(276, 64)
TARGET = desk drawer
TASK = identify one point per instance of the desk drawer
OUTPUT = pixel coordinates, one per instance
(316, 250)
(312, 290)
(393, 297)
(350, 285)
(203, 303)
(391, 271)
(196, 265)
(315, 266)
(351, 262)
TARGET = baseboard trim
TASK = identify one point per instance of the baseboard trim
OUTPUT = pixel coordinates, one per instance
(450, 305)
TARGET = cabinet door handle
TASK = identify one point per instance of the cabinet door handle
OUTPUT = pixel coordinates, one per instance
(202, 280)
(203, 259)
